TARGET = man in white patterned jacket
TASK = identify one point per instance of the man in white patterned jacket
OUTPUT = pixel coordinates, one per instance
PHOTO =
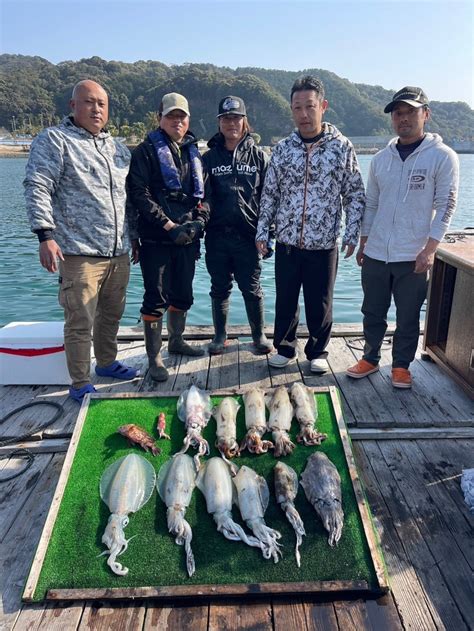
(312, 177)
(75, 199)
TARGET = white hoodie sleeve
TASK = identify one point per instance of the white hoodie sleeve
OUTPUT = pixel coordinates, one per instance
(371, 203)
(446, 193)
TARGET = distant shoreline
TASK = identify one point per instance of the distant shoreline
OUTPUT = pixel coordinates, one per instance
(9, 151)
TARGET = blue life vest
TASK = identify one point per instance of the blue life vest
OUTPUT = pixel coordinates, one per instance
(168, 167)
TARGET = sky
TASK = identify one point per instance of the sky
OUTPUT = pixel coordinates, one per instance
(426, 43)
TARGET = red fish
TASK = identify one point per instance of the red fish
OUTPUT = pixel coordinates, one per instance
(139, 436)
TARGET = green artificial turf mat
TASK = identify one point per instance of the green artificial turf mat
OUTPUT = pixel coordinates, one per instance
(152, 557)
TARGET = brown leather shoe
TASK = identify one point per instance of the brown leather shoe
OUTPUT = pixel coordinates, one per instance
(401, 378)
(361, 369)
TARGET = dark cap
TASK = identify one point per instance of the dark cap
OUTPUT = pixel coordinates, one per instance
(232, 105)
(410, 95)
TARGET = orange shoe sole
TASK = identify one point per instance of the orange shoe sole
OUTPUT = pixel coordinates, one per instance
(355, 375)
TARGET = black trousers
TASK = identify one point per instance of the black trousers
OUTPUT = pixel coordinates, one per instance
(380, 281)
(168, 273)
(315, 270)
(230, 256)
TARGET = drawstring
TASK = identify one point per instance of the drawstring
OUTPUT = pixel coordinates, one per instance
(411, 173)
(390, 163)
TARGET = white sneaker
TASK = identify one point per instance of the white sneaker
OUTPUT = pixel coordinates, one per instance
(319, 365)
(279, 361)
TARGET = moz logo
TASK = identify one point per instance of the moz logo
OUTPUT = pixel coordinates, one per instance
(223, 169)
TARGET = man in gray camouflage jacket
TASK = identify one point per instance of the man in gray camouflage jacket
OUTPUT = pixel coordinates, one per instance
(75, 198)
(312, 177)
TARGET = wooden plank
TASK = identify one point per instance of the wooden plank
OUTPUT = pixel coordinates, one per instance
(18, 547)
(15, 493)
(413, 605)
(106, 616)
(420, 591)
(235, 617)
(52, 617)
(367, 404)
(351, 615)
(448, 460)
(382, 614)
(55, 504)
(411, 433)
(461, 406)
(174, 618)
(253, 368)
(224, 369)
(320, 617)
(407, 469)
(199, 591)
(363, 510)
(192, 370)
(289, 614)
(431, 476)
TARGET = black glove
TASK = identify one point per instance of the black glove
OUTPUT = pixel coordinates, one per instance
(180, 235)
(194, 228)
(270, 249)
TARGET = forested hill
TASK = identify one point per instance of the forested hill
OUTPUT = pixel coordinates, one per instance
(35, 93)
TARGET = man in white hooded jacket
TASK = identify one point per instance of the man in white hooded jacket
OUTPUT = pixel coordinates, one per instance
(411, 197)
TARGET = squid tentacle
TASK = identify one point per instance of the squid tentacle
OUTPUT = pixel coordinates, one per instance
(298, 526)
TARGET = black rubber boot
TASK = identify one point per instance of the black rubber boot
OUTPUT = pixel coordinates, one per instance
(153, 341)
(256, 320)
(176, 321)
(220, 311)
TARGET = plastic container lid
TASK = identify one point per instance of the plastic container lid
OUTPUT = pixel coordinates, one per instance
(32, 335)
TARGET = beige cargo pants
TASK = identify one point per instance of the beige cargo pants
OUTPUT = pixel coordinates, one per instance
(92, 293)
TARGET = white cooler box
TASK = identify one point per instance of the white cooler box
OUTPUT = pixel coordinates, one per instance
(32, 353)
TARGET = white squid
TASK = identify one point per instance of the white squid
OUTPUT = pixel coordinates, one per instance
(194, 409)
(286, 489)
(281, 413)
(306, 412)
(255, 422)
(226, 420)
(252, 498)
(125, 486)
(175, 484)
(215, 483)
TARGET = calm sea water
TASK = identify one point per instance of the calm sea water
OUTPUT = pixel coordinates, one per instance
(29, 293)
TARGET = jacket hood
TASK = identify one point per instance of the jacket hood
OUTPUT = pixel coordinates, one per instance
(68, 122)
(329, 130)
(218, 140)
(189, 138)
(430, 140)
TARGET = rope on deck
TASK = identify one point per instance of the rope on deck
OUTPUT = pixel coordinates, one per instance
(21, 452)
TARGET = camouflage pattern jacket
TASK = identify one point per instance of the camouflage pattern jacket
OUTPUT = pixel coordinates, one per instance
(75, 190)
(306, 189)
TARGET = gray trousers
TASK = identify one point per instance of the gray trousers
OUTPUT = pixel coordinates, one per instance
(379, 282)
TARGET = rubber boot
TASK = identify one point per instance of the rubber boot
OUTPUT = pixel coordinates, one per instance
(256, 320)
(176, 321)
(220, 311)
(153, 341)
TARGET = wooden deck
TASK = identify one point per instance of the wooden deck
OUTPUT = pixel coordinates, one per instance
(410, 448)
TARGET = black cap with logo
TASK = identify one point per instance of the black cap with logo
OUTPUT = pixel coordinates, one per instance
(410, 95)
(232, 105)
